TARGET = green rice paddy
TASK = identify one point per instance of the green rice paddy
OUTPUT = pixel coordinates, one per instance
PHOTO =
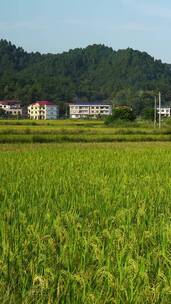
(88, 131)
(85, 223)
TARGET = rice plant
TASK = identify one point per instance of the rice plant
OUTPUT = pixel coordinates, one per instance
(85, 223)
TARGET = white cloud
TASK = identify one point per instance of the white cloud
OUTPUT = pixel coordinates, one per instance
(134, 26)
(152, 9)
(158, 11)
(72, 21)
(27, 25)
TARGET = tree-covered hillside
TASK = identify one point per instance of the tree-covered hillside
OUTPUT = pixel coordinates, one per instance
(94, 73)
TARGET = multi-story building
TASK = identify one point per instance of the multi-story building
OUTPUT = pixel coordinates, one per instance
(164, 111)
(11, 107)
(43, 110)
(83, 110)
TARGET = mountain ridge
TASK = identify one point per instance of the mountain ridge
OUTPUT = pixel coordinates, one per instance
(96, 72)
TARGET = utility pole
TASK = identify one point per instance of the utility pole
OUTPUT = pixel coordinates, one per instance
(159, 109)
(66, 113)
(155, 111)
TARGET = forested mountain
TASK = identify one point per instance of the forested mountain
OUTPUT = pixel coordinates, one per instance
(93, 73)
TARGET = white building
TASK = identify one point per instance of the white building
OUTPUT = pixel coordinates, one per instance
(11, 107)
(164, 111)
(43, 110)
(89, 110)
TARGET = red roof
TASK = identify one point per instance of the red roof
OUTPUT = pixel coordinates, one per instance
(44, 103)
(9, 102)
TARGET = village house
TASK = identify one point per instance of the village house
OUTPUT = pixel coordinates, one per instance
(164, 111)
(43, 110)
(93, 110)
(11, 107)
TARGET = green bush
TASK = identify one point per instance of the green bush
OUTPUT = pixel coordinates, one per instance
(148, 114)
(121, 114)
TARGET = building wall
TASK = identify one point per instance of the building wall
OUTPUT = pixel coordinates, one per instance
(81, 111)
(43, 112)
(15, 112)
(165, 112)
(51, 112)
(13, 109)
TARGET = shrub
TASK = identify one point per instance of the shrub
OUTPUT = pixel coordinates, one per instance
(148, 114)
(120, 114)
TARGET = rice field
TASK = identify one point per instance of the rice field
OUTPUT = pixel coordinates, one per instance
(85, 131)
(85, 223)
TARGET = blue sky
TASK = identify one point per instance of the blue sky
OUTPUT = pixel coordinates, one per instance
(59, 25)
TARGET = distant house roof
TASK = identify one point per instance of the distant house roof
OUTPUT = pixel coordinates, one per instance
(44, 103)
(122, 107)
(166, 106)
(9, 102)
(90, 104)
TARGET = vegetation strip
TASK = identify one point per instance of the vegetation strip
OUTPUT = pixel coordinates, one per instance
(85, 223)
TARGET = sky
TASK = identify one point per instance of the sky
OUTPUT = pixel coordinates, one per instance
(54, 26)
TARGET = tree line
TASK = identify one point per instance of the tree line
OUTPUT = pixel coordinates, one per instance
(95, 73)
